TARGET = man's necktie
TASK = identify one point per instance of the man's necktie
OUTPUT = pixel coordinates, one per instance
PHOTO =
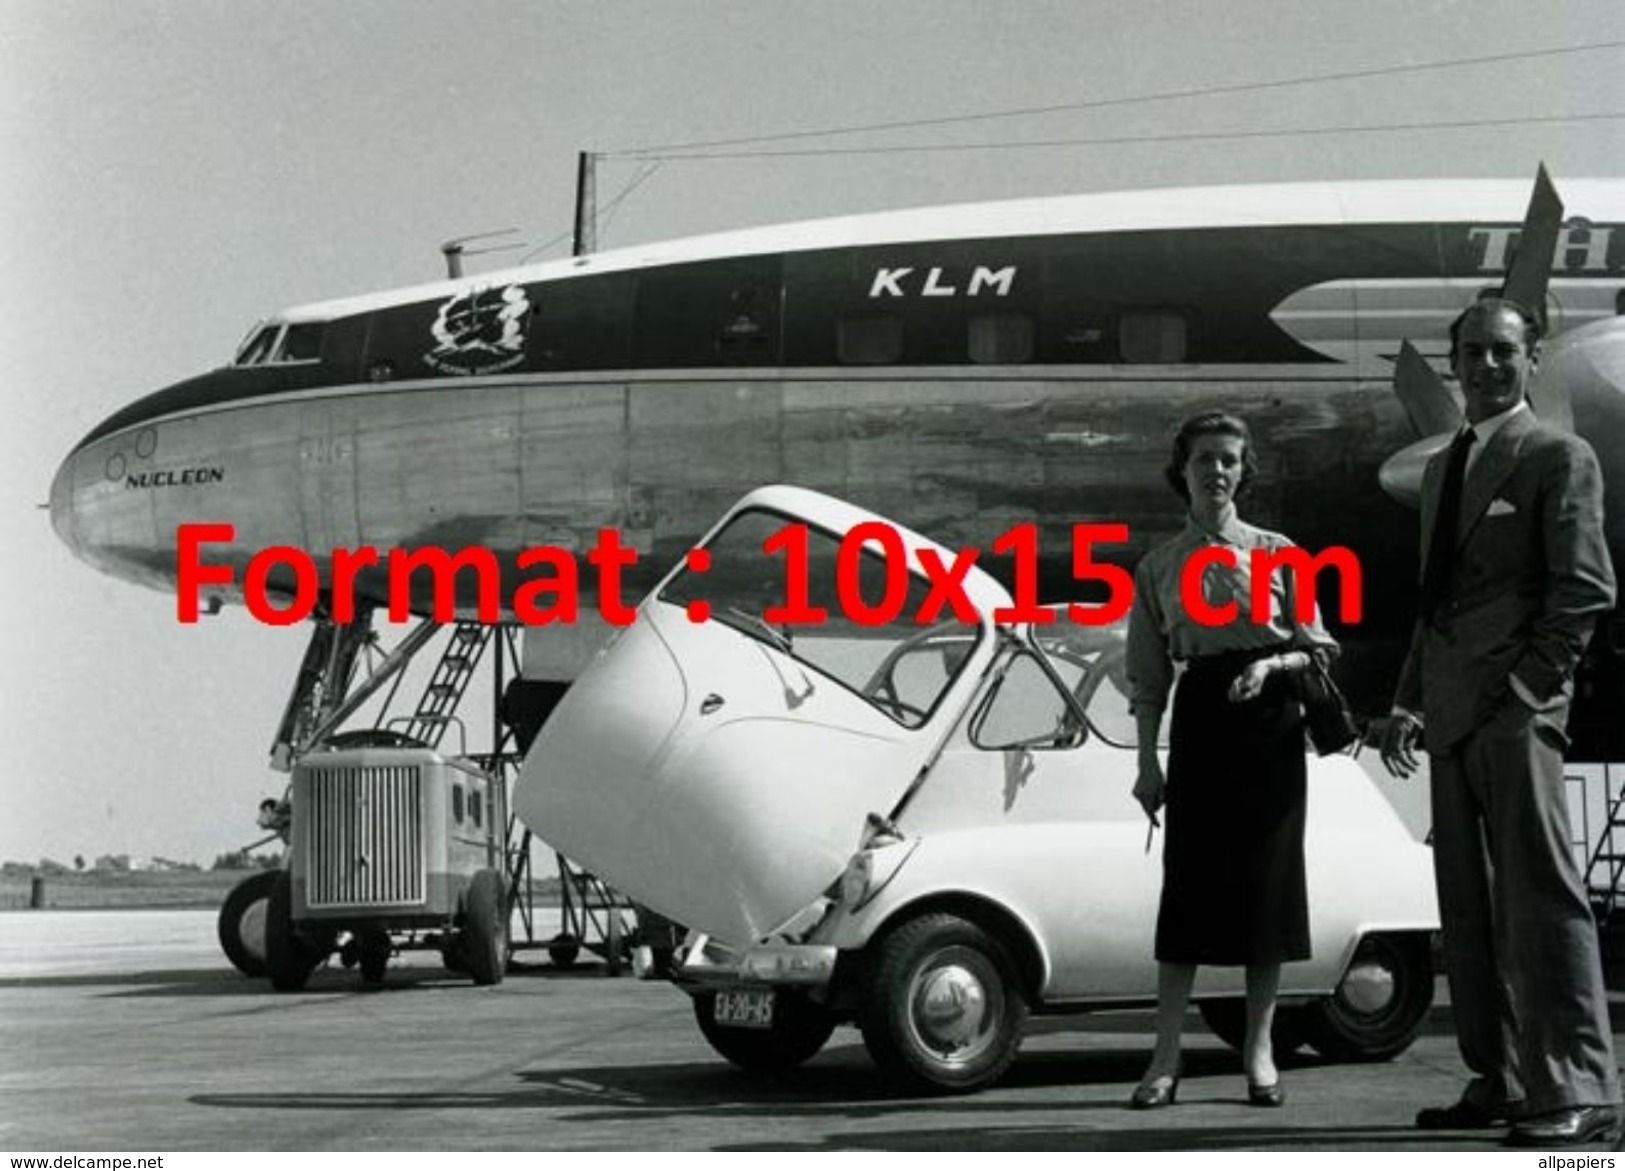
(1442, 547)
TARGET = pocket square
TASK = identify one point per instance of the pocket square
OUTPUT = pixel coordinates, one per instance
(1499, 507)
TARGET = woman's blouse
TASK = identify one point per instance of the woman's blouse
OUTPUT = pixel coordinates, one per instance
(1161, 631)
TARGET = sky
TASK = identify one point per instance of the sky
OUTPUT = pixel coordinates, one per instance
(173, 170)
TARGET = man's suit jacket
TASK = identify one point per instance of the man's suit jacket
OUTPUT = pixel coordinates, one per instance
(1531, 575)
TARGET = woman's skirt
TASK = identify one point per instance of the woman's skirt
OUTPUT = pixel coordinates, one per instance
(1233, 889)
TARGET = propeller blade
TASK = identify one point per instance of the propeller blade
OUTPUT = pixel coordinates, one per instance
(1401, 473)
(1531, 267)
(1428, 403)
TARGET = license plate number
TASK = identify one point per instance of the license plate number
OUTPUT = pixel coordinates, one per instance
(750, 1008)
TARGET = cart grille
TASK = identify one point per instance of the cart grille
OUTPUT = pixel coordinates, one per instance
(366, 829)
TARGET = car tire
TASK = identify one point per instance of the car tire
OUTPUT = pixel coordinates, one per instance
(241, 925)
(944, 1009)
(485, 928)
(1380, 1005)
(799, 1030)
(290, 956)
(1227, 1020)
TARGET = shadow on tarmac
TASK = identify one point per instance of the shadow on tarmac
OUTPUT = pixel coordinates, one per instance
(842, 1085)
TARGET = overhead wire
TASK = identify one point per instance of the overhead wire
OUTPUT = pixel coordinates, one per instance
(1131, 99)
(1129, 139)
(651, 158)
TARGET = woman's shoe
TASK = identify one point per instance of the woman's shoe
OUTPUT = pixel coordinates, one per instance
(1270, 1095)
(1156, 1093)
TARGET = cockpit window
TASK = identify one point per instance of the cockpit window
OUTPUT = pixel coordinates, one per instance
(900, 667)
(278, 344)
(258, 347)
(300, 343)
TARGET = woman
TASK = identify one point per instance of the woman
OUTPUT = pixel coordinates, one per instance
(1233, 875)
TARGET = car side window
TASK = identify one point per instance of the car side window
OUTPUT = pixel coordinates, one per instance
(1026, 709)
(1091, 663)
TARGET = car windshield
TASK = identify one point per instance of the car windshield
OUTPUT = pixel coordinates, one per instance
(868, 638)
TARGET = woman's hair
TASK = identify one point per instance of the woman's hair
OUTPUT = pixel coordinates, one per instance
(1209, 423)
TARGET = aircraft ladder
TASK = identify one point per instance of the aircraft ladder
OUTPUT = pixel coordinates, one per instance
(445, 688)
(1609, 854)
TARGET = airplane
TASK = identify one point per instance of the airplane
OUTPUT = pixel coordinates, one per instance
(965, 369)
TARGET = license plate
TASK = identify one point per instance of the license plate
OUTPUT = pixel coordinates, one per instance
(750, 1008)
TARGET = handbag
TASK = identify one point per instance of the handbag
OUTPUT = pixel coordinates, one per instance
(1326, 713)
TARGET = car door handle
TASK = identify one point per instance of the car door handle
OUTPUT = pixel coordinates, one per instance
(711, 703)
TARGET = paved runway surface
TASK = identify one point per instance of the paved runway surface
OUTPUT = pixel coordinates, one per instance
(127, 1031)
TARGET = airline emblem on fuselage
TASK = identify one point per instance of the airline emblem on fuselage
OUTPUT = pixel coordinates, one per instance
(907, 281)
(481, 331)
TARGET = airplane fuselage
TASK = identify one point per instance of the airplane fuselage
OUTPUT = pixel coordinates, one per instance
(961, 369)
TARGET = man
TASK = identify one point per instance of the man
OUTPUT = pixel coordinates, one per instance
(1511, 590)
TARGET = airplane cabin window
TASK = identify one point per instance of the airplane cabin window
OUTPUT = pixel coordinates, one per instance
(1001, 338)
(301, 343)
(722, 312)
(868, 341)
(258, 348)
(1153, 336)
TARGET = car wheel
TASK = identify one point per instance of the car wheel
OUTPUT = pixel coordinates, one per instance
(1380, 1004)
(944, 1010)
(290, 955)
(485, 928)
(1227, 1020)
(241, 926)
(798, 1032)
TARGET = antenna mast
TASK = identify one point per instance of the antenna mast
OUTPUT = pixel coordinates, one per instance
(586, 232)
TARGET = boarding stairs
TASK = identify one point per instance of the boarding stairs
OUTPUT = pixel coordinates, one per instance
(1606, 864)
(444, 690)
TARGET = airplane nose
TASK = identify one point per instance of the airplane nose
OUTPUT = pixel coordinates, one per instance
(101, 520)
(62, 519)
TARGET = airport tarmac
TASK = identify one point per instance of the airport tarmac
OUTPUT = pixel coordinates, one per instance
(127, 1031)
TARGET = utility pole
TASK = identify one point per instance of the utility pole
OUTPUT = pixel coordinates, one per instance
(586, 232)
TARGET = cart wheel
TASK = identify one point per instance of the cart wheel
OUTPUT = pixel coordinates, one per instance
(485, 928)
(564, 950)
(451, 954)
(375, 948)
(290, 956)
(241, 926)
